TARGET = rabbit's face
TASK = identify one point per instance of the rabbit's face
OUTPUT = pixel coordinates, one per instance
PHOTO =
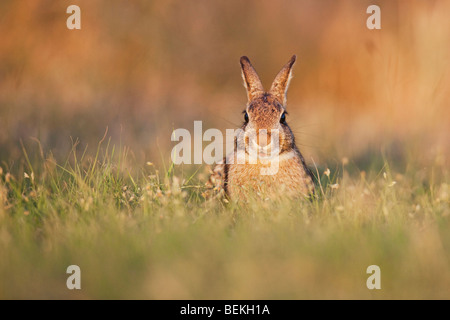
(265, 127)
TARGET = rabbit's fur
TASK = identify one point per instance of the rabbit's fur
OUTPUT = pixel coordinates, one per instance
(264, 110)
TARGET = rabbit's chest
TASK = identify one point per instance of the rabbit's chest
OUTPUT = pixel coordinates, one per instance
(267, 180)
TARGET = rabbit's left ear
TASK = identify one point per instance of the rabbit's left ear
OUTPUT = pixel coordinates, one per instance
(281, 83)
(251, 79)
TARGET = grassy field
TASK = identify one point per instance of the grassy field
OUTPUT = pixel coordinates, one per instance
(149, 234)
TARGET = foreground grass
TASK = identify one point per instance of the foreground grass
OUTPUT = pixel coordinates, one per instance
(151, 235)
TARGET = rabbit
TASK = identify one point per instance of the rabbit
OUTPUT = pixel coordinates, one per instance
(265, 112)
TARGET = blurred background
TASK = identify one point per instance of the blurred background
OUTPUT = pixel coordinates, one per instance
(144, 68)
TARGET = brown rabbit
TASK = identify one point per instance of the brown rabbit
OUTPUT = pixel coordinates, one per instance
(283, 173)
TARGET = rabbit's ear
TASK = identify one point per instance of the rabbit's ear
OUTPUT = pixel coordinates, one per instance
(251, 79)
(281, 82)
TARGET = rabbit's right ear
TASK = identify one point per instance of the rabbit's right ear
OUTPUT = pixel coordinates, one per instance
(281, 82)
(251, 79)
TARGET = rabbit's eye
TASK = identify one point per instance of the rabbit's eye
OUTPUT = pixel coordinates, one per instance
(246, 117)
(283, 118)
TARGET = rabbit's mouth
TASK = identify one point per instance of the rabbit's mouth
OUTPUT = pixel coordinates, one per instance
(267, 152)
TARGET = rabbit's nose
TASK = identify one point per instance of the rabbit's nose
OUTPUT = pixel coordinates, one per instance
(264, 138)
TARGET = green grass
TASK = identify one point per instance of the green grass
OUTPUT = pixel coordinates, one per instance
(137, 232)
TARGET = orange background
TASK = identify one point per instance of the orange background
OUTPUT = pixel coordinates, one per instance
(143, 68)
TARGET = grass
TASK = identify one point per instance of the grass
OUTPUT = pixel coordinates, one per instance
(137, 232)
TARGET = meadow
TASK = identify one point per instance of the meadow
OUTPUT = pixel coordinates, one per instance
(153, 235)
(86, 177)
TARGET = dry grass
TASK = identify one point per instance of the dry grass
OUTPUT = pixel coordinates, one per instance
(153, 236)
